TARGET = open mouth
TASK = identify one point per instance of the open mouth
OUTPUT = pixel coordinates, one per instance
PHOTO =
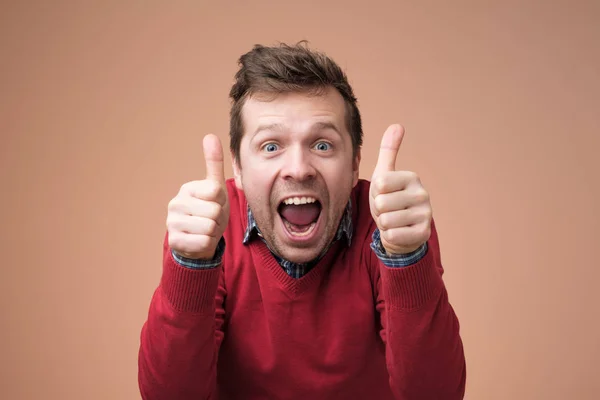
(300, 215)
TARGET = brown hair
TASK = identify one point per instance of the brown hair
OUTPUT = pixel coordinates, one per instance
(285, 68)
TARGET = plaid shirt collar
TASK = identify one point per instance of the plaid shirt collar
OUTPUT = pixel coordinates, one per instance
(298, 270)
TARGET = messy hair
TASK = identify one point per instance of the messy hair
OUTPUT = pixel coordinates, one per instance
(288, 68)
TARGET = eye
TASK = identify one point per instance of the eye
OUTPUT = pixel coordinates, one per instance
(323, 146)
(270, 147)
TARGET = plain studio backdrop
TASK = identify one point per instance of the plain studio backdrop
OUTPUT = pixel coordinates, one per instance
(103, 106)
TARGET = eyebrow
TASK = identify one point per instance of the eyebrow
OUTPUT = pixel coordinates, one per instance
(317, 126)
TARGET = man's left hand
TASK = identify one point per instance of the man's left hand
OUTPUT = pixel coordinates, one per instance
(399, 203)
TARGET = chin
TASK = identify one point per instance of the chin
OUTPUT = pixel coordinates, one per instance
(300, 256)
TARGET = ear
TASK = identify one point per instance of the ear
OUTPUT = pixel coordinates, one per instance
(237, 172)
(355, 167)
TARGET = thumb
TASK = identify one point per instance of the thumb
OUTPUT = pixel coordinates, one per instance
(213, 154)
(388, 151)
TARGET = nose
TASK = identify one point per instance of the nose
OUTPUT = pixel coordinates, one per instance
(297, 165)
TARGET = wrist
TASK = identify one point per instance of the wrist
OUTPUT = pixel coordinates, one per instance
(204, 256)
(206, 262)
(392, 250)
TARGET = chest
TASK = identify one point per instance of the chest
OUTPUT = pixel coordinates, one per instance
(326, 319)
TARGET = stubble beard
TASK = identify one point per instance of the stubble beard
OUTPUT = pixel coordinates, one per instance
(265, 215)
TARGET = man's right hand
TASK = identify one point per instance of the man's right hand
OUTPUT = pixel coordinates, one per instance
(198, 215)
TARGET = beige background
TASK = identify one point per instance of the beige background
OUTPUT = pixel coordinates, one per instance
(102, 110)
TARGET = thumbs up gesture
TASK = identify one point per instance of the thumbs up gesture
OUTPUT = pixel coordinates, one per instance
(198, 215)
(399, 204)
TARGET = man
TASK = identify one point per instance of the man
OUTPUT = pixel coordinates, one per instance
(296, 279)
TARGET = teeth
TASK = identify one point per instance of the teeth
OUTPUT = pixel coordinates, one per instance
(299, 200)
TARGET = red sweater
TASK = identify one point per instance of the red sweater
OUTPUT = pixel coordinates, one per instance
(352, 328)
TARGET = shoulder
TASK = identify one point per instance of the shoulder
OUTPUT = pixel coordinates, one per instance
(362, 221)
(360, 192)
(236, 196)
(238, 210)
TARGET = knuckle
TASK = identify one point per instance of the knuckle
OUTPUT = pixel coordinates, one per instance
(199, 189)
(189, 244)
(428, 215)
(211, 227)
(212, 188)
(426, 232)
(380, 184)
(214, 211)
(203, 243)
(174, 204)
(418, 234)
(379, 203)
(384, 222)
(173, 221)
(391, 235)
(188, 187)
(170, 222)
(388, 235)
(411, 176)
(175, 241)
(422, 195)
(385, 235)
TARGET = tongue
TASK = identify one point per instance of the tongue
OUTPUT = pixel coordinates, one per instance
(301, 214)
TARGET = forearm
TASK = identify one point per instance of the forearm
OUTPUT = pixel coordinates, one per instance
(179, 341)
(424, 350)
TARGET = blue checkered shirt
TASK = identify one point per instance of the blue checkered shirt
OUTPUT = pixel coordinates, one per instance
(297, 270)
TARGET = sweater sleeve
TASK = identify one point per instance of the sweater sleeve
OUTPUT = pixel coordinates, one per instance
(424, 351)
(181, 337)
(396, 260)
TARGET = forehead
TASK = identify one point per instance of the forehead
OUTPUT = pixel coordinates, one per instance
(296, 111)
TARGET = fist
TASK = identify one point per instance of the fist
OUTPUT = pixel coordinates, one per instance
(198, 215)
(399, 204)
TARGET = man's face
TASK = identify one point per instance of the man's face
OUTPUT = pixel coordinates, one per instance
(297, 170)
